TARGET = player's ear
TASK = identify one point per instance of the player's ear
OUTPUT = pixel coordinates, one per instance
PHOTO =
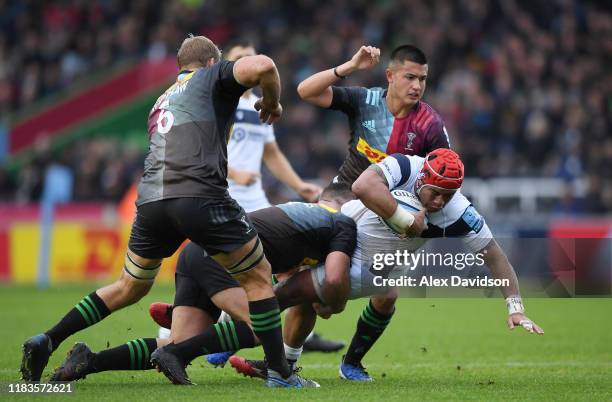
(210, 62)
(389, 74)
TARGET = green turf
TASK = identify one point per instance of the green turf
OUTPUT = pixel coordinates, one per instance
(457, 349)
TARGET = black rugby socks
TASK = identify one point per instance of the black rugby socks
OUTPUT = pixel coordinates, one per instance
(134, 355)
(266, 321)
(370, 327)
(89, 311)
(225, 336)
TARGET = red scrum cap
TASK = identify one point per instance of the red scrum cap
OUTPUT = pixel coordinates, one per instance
(442, 168)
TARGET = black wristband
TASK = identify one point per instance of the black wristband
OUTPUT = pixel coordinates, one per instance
(338, 75)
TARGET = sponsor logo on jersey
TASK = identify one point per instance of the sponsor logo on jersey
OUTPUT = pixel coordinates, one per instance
(238, 134)
(372, 97)
(308, 261)
(243, 220)
(369, 125)
(374, 155)
(411, 137)
(473, 219)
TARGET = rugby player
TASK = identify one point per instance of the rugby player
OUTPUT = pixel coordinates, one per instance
(183, 194)
(382, 121)
(250, 143)
(292, 235)
(435, 180)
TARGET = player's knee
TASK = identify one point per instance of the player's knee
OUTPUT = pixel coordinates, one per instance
(256, 277)
(386, 303)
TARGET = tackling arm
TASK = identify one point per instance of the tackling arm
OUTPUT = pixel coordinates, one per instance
(337, 284)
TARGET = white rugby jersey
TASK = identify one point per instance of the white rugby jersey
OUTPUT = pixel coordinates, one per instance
(373, 236)
(245, 152)
(458, 218)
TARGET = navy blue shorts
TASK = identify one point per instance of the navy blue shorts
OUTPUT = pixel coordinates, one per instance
(216, 225)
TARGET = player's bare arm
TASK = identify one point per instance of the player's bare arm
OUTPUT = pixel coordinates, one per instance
(242, 177)
(280, 167)
(337, 285)
(372, 189)
(252, 71)
(498, 263)
(316, 89)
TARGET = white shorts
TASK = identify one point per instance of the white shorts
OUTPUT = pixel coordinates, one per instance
(361, 281)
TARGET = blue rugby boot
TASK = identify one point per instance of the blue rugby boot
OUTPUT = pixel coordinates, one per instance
(354, 372)
(219, 359)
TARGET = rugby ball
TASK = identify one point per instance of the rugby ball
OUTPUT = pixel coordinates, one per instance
(408, 202)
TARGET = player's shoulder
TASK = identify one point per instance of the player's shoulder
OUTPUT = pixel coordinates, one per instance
(372, 95)
(408, 163)
(204, 76)
(215, 72)
(459, 210)
(298, 208)
(343, 219)
(426, 117)
(353, 209)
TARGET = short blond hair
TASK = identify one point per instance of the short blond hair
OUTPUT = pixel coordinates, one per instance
(197, 49)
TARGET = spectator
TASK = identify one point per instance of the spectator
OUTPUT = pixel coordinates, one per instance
(525, 83)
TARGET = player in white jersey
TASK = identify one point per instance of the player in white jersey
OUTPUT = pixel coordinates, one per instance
(252, 141)
(435, 180)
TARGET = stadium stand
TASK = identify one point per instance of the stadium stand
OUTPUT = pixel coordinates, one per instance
(523, 90)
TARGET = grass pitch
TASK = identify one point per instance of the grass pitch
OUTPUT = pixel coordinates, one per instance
(434, 349)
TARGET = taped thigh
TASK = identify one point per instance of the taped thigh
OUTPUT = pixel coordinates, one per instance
(249, 261)
(139, 272)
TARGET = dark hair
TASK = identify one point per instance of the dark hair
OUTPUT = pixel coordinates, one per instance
(405, 53)
(338, 191)
(237, 42)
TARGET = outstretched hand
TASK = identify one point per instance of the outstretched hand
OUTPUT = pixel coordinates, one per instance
(521, 319)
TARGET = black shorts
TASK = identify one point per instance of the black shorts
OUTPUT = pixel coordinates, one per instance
(198, 278)
(216, 225)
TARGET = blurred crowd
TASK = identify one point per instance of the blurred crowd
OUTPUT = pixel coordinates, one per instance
(101, 169)
(524, 86)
